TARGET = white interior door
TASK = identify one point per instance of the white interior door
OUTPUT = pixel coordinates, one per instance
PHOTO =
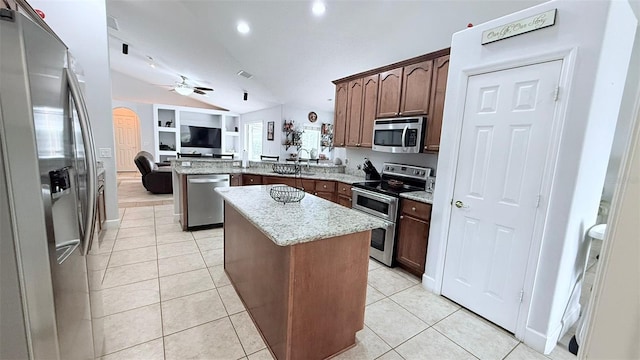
(506, 129)
(127, 134)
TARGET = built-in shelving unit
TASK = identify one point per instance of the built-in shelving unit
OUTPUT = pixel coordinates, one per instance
(169, 118)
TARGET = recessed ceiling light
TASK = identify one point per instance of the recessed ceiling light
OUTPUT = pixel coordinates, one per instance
(318, 8)
(243, 27)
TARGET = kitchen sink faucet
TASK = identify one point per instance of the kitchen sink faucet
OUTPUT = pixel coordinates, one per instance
(308, 156)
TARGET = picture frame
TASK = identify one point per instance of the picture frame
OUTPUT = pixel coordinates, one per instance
(270, 130)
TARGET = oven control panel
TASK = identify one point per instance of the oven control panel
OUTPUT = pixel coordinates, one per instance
(416, 172)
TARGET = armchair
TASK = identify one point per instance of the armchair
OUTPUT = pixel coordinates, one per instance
(156, 180)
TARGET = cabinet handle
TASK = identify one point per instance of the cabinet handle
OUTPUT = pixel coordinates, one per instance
(401, 217)
(413, 208)
(343, 189)
(315, 193)
(400, 113)
(250, 180)
(324, 186)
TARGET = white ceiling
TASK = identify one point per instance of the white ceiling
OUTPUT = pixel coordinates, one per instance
(292, 54)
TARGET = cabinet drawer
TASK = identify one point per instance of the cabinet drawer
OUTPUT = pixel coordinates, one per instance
(309, 185)
(417, 209)
(327, 186)
(251, 179)
(344, 189)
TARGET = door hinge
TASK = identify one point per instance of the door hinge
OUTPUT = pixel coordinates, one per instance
(521, 295)
(538, 201)
(556, 93)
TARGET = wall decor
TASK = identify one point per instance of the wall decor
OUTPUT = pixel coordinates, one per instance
(532, 23)
(270, 127)
(313, 117)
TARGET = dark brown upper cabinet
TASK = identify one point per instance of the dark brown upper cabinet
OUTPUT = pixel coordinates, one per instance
(416, 89)
(389, 93)
(413, 87)
(369, 106)
(354, 112)
(340, 116)
(438, 89)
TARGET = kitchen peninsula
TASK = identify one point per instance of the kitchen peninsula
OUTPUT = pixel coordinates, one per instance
(300, 269)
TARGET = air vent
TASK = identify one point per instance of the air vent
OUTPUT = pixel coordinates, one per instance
(245, 74)
(112, 23)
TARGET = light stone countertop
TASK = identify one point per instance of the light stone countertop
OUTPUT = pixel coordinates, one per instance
(311, 219)
(345, 178)
(422, 196)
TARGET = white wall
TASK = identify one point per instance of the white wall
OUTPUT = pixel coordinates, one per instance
(145, 116)
(82, 25)
(592, 82)
(623, 127)
(614, 308)
(278, 114)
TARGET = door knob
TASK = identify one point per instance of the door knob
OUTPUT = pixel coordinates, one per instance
(459, 204)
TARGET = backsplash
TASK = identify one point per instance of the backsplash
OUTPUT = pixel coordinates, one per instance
(356, 157)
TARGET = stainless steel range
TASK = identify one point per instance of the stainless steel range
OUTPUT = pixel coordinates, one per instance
(380, 198)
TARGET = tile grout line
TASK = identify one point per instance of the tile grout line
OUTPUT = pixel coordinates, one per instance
(164, 348)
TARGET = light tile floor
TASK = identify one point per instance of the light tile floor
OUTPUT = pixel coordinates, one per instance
(131, 192)
(160, 293)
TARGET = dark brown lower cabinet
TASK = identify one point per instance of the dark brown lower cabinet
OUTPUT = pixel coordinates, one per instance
(344, 201)
(413, 236)
(235, 180)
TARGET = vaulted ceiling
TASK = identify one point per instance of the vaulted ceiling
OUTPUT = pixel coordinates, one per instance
(292, 54)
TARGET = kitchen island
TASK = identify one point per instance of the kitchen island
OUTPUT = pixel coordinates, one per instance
(299, 268)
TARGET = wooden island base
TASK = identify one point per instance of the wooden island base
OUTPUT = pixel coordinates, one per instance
(307, 300)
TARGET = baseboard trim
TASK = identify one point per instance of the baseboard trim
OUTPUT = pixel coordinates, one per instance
(429, 283)
(541, 342)
(112, 224)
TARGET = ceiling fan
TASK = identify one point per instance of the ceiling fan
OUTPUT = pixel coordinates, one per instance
(183, 88)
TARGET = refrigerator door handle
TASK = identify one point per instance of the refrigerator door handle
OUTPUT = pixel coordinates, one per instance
(64, 250)
(87, 137)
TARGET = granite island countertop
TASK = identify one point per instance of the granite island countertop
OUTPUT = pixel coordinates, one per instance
(311, 219)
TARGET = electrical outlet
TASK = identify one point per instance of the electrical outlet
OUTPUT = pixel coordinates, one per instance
(186, 164)
(105, 152)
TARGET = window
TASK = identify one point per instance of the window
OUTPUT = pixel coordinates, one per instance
(311, 138)
(253, 140)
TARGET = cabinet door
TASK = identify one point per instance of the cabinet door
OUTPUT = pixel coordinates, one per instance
(344, 201)
(369, 104)
(234, 180)
(389, 93)
(354, 112)
(412, 243)
(340, 117)
(438, 89)
(326, 195)
(270, 180)
(416, 89)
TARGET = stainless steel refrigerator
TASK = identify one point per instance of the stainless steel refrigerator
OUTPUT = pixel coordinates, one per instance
(47, 196)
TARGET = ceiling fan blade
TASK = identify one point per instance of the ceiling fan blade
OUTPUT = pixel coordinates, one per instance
(202, 88)
(197, 91)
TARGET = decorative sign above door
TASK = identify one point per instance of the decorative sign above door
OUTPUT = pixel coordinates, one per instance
(532, 23)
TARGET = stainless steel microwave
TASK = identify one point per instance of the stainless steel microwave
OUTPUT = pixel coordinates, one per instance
(399, 135)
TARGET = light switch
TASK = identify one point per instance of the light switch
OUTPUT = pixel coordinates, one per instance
(105, 152)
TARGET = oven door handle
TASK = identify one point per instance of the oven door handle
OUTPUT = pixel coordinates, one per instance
(370, 194)
(404, 136)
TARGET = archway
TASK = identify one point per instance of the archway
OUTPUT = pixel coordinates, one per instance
(126, 126)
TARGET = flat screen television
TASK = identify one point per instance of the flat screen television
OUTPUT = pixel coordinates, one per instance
(202, 137)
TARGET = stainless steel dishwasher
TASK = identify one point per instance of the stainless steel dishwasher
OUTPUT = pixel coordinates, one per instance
(204, 205)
